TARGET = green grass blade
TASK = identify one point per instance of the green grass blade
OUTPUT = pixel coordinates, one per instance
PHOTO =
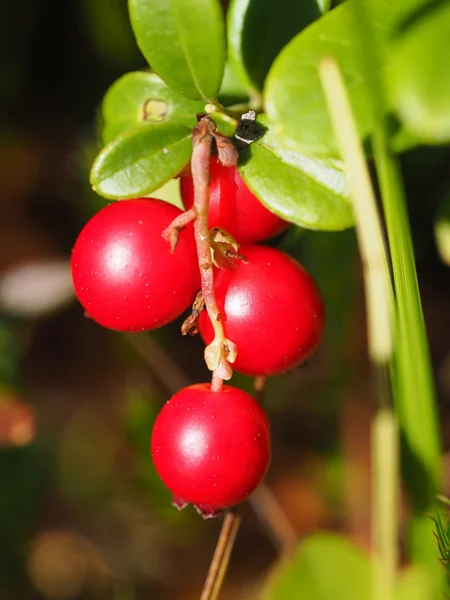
(414, 392)
(413, 385)
(379, 304)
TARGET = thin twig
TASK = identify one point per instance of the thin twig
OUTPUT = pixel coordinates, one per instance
(274, 519)
(162, 367)
(264, 503)
(221, 558)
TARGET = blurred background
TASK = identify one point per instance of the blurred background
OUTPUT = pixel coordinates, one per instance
(82, 512)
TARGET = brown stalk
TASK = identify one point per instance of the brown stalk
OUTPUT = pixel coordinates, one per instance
(221, 558)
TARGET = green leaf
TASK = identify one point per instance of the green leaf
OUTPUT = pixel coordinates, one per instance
(325, 567)
(293, 97)
(309, 191)
(140, 98)
(259, 29)
(420, 76)
(140, 160)
(183, 41)
(442, 229)
(232, 90)
(415, 584)
(324, 5)
(112, 37)
(170, 192)
(329, 567)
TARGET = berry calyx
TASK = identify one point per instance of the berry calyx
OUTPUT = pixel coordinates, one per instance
(233, 207)
(211, 448)
(123, 271)
(272, 310)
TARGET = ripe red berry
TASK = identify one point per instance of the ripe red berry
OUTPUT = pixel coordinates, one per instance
(271, 309)
(211, 448)
(123, 271)
(233, 207)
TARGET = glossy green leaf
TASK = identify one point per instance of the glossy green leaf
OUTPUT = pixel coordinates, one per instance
(184, 43)
(141, 160)
(259, 29)
(325, 567)
(140, 98)
(420, 76)
(309, 191)
(293, 96)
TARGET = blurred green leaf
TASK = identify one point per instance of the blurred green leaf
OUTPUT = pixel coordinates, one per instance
(10, 353)
(113, 37)
(329, 567)
(402, 140)
(324, 5)
(86, 455)
(140, 415)
(140, 98)
(184, 43)
(305, 190)
(293, 98)
(140, 160)
(414, 584)
(420, 76)
(325, 567)
(232, 90)
(24, 473)
(442, 229)
(339, 287)
(259, 29)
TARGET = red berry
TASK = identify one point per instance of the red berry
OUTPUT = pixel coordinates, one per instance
(233, 207)
(271, 309)
(211, 448)
(123, 271)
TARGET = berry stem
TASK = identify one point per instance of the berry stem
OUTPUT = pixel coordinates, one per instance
(216, 383)
(202, 142)
(221, 558)
(259, 385)
(218, 353)
(273, 518)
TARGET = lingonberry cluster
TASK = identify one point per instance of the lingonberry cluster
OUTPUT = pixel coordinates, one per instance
(210, 444)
